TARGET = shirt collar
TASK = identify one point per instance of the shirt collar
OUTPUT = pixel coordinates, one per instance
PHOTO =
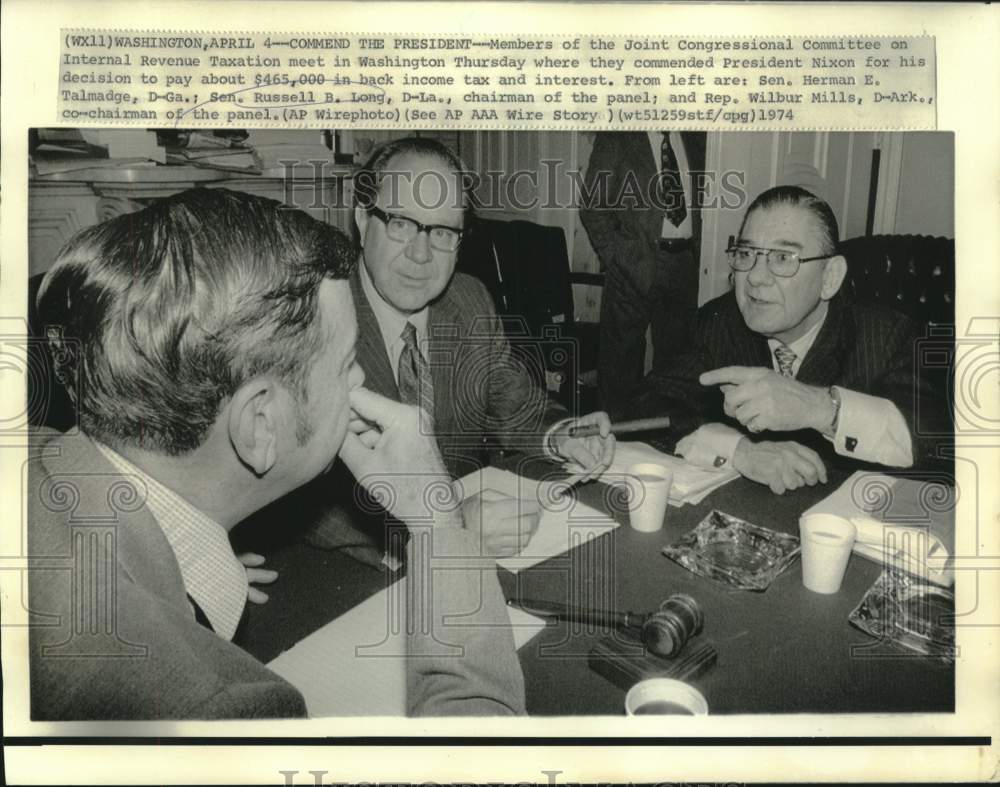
(212, 575)
(390, 322)
(800, 346)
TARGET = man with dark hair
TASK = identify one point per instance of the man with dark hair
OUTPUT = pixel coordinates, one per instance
(429, 336)
(785, 372)
(210, 340)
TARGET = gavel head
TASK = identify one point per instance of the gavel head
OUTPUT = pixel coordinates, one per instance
(667, 630)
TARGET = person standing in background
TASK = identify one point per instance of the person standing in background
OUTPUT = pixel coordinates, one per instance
(643, 217)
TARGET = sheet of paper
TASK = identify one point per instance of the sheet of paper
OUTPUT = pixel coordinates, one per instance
(565, 523)
(691, 484)
(354, 665)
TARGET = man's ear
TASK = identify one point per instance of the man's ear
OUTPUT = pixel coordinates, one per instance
(361, 219)
(253, 424)
(834, 274)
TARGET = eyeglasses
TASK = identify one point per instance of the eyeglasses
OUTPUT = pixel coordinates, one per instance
(403, 230)
(781, 263)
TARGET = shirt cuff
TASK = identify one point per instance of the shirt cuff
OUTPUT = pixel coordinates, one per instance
(710, 445)
(547, 441)
(872, 429)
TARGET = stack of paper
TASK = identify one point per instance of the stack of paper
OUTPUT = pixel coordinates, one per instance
(691, 484)
(565, 523)
(904, 523)
(356, 665)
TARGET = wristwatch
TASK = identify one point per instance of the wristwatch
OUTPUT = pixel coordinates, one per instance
(835, 398)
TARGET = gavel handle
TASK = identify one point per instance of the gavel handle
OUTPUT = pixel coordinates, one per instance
(597, 617)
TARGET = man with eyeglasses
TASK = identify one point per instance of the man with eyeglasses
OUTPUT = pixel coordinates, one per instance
(785, 372)
(429, 336)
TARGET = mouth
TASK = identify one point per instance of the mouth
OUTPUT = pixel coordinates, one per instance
(413, 281)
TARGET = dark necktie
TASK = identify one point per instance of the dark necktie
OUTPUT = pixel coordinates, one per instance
(671, 190)
(414, 374)
(786, 359)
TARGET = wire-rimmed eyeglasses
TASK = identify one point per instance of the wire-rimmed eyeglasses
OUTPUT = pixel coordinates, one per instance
(404, 229)
(742, 257)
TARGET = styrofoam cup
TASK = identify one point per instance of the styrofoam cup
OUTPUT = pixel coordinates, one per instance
(664, 697)
(827, 541)
(648, 490)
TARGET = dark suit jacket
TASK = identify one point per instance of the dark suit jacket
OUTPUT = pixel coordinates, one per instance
(624, 233)
(119, 641)
(861, 347)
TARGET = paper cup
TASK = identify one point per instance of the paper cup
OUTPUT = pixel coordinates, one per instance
(664, 697)
(827, 541)
(648, 491)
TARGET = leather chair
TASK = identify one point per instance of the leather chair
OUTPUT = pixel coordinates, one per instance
(525, 267)
(913, 274)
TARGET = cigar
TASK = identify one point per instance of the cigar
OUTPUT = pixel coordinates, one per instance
(623, 427)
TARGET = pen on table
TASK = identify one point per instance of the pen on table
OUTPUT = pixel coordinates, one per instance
(623, 427)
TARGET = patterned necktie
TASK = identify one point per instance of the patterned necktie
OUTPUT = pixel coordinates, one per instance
(669, 186)
(786, 359)
(414, 374)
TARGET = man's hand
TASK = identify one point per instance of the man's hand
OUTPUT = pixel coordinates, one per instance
(255, 575)
(391, 450)
(506, 523)
(762, 399)
(781, 466)
(587, 456)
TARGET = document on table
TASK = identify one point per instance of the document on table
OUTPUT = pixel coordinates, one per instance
(355, 665)
(691, 484)
(565, 522)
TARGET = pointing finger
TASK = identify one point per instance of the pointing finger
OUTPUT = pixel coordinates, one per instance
(730, 374)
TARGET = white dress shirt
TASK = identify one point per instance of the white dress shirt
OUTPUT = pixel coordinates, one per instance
(887, 438)
(212, 574)
(391, 323)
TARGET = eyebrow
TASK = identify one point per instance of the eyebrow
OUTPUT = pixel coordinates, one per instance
(779, 242)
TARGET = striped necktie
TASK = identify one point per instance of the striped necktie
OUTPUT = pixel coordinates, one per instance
(671, 190)
(414, 374)
(786, 360)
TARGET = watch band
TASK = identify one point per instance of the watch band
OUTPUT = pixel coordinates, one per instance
(835, 398)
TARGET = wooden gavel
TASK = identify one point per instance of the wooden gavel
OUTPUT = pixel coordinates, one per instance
(664, 632)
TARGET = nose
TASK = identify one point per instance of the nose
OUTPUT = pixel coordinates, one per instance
(419, 249)
(759, 275)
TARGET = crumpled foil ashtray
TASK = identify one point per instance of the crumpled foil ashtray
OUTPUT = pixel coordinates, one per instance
(901, 609)
(734, 552)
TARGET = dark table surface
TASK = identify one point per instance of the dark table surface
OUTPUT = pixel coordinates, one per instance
(784, 650)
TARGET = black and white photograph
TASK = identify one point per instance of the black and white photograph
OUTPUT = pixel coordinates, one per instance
(339, 423)
(550, 393)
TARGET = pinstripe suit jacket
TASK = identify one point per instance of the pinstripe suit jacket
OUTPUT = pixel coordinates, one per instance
(861, 347)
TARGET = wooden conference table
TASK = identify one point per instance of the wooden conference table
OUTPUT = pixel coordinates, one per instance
(785, 650)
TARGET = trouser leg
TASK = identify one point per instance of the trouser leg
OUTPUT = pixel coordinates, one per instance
(624, 318)
(674, 298)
